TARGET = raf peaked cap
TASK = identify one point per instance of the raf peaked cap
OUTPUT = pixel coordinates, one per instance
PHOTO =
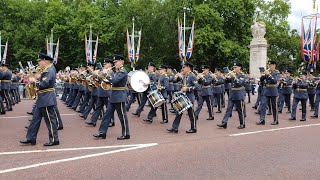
(237, 64)
(151, 64)
(107, 60)
(188, 64)
(272, 62)
(43, 56)
(162, 66)
(118, 57)
(83, 66)
(204, 67)
(218, 69)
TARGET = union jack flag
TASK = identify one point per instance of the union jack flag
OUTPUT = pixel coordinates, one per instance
(307, 44)
(191, 42)
(129, 46)
(180, 41)
(94, 58)
(56, 54)
(4, 58)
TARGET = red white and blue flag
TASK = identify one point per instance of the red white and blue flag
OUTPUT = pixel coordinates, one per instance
(191, 42)
(129, 47)
(56, 54)
(138, 48)
(94, 58)
(4, 58)
(180, 41)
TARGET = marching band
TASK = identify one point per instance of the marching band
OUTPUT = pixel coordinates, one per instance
(105, 88)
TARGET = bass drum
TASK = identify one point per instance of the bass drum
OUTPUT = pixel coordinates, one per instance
(137, 79)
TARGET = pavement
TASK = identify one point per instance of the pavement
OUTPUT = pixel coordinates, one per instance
(289, 150)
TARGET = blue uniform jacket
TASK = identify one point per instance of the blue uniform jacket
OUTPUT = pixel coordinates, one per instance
(237, 87)
(205, 85)
(46, 83)
(300, 90)
(119, 84)
(6, 80)
(271, 80)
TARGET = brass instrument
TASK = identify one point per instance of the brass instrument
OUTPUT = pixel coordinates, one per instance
(178, 75)
(105, 84)
(200, 76)
(30, 87)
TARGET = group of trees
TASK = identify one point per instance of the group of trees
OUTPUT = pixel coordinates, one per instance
(222, 29)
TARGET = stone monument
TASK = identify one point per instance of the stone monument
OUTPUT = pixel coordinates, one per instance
(258, 48)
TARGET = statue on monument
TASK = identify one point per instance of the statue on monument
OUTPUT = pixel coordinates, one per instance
(258, 30)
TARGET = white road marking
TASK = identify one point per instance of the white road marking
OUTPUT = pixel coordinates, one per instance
(277, 129)
(76, 158)
(73, 149)
(13, 117)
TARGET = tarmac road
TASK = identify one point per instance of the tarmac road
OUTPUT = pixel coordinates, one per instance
(287, 151)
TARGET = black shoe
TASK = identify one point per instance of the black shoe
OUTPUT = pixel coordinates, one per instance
(83, 116)
(74, 108)
(218, 112)
(172, 130)
(254, 107)
(29, 119)
(261, 122)
(223, 125)
(172, 111)
(292, 119)
(280, 112)
(304, 119)
(3, 112)
(30, 113)
(269, 114)
(164, 122)
(79, 111)
(288, 112)
(123, 137)
(192, 131)
(60, 128)
(27, 127)
(275, 123)
(127, 109)
(136, 114)
(31, 142)
(314, 116)
(210, 118)
(242, 126)
(100, 135)
(91, 124)
(149, 121)
(111, 124)
(51, 143)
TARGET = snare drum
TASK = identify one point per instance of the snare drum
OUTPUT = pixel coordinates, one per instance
(156, 99)
(181, 102)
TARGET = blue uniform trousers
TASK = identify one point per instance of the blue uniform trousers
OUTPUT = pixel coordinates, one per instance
(177, 119)
(122, 114)
(239, 106)
(200, 104)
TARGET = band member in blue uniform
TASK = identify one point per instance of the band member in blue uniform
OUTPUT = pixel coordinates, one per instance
(311, 89)
(189, 86)
(81, 90)
(205, 93)
(2, 110)
(270, 91)
(153, 79)
(162, 86)
(317, 101)
(286, 91)
(45, 103)
(117, 101)
(5, 86)
(217, 83)
(236, 97)
(300, 86)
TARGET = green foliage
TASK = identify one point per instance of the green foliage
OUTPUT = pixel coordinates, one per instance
(222, 29)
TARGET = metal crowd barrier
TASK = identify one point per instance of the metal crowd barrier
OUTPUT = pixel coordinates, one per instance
(24, 94)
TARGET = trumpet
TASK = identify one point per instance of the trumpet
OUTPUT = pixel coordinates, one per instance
(178, 75)
(200, 76)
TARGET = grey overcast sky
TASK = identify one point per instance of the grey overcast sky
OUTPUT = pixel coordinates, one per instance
(299, 7)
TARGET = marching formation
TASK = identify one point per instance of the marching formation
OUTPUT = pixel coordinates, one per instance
(101, 89)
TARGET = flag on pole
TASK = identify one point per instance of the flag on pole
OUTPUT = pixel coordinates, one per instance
(138, 47)
(307, 44)
(87, 49)
(48, 47)
(94, 59)
(129, 47)
(180, 40)
(191, 43)
(56, 54)
(4, 58)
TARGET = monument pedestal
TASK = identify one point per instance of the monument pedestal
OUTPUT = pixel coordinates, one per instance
(258, 56)
(258, 49)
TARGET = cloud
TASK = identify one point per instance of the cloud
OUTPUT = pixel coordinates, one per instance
(298, 8)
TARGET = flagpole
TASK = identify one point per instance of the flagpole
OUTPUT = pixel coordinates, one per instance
(90, 44)
(51, 43)
(0, 49)
(184, 34)
(133, 48)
